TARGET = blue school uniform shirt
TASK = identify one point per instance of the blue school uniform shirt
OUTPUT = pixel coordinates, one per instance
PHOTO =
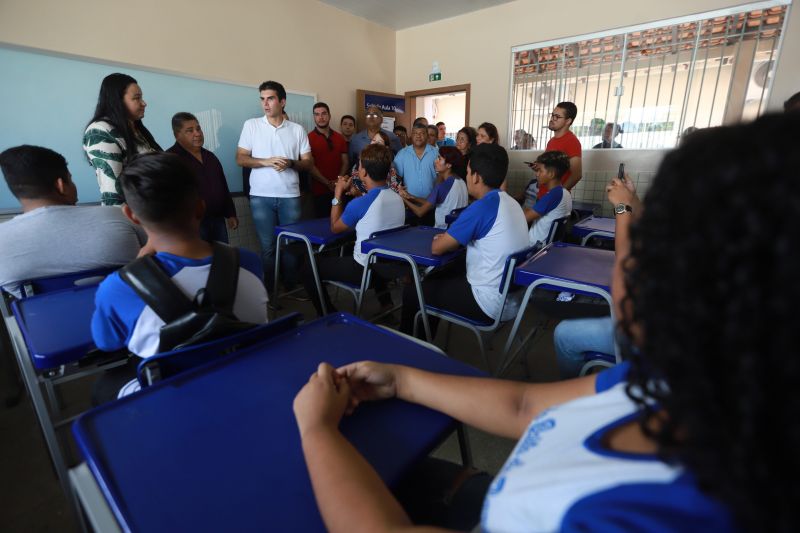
(557, 203)
(446, 196)
(381, 208)
(447, 141)
(561, 477)
(491, 228)
(122, 319)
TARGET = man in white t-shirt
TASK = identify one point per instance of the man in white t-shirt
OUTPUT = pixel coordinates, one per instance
(276, 149)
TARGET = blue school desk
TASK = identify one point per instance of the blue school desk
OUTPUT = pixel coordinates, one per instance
(561, 266)
(316, 232)
(594, 227)
(584, 209)
(413, 245)
(217, 448)
(51, 337)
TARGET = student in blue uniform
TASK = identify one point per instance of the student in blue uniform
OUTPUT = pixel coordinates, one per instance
(381, 208)
(450, 191)
(491, 228)
(697, 431)
(162, 195)
(557, 203)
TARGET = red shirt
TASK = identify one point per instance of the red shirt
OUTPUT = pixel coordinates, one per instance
(570, 145)
(327, 152)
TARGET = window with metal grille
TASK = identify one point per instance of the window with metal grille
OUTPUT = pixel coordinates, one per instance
(652, 81)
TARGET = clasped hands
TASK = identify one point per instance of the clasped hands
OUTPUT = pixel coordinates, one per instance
(333, 392)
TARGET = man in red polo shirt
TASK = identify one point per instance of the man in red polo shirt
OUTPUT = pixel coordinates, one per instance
(565, 141)
(329, 149)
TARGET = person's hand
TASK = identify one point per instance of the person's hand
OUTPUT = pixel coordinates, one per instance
(629, 184)
(403, 192)
(281, 163)
(342, 185)
(322, 401)
(619, 193)
(331, 185)
(369, 381)
(232, 222)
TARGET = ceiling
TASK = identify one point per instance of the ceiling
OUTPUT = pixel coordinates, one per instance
(403, 14)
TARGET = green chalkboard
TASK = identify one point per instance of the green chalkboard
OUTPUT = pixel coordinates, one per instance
(47, 99)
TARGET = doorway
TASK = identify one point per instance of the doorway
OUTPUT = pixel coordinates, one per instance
(442, 104)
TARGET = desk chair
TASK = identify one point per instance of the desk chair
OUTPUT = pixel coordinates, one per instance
(357, 291)
(453, 215)
(40, 374)
(558, 230)
(164, 365)
(484, 327)
(598, 360)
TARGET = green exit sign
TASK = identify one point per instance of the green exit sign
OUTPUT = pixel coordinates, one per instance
(435, 77)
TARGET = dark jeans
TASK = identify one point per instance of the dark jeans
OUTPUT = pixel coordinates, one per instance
(448, 290)
(444, 494)
(214, 229)
(344, 269)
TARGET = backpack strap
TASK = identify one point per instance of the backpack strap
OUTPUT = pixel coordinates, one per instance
(223, 278)
(155, 288)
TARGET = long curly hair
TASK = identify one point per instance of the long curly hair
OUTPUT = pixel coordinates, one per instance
(713, 283)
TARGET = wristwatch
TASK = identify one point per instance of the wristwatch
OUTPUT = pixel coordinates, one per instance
(335, 201)
(622, 208)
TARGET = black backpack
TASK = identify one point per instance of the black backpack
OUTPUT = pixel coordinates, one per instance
(189, 322)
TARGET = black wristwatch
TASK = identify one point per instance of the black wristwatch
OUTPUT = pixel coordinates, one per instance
(622, 208)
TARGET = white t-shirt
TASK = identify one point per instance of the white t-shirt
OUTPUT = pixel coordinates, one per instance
(264, 140)
(491, 229)
(381, 208)
(446, 196)
(557, 203)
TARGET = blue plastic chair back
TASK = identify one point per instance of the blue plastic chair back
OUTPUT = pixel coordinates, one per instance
(168, 364)
(515, 259)
(558, 229)
(64, 281)
(390, 230)
(453, 215)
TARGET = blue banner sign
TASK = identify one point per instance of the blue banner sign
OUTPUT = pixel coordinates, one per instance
(389, 104)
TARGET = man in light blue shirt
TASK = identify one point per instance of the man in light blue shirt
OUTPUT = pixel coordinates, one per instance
(414, 164)
(443, 140)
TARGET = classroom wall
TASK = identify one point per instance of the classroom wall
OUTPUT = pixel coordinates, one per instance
(305, 44)
(476, 47)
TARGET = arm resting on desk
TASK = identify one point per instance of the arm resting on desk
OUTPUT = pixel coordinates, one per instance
(443, 243)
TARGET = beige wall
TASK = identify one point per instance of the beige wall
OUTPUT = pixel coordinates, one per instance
(308, 46)
(476, 47)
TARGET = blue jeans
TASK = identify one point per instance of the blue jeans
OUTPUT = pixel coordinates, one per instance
(214, 229)
(268, 212)
(573, 337)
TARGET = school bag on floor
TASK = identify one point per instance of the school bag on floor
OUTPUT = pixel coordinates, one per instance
(207, 317)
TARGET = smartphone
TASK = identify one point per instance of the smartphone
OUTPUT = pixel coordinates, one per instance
(621, 173)
(359, 185)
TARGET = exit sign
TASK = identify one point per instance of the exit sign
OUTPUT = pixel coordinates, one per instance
(435, 77)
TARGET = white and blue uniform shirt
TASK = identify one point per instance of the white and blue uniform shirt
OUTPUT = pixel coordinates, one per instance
(561, 477)
(557, 203)
(446, 196)
(121, 319)
(381, 208)
(491, 229)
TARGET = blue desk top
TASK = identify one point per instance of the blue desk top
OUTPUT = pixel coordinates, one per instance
(415, 241)
(217, 448)
(593, 223)
(56, 326)
(561, 261)
(317, 230)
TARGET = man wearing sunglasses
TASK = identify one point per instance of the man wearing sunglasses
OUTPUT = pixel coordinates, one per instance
(359, 141)
(329, 149)
(565, 141)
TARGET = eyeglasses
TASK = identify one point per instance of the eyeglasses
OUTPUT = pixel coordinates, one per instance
(372, 115)
(556, 117)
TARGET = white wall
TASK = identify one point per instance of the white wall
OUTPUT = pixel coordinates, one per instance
(305, 44)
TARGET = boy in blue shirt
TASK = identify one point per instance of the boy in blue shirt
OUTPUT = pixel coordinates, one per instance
(162, 196)
(557, 203)
(491, 228)
(379, 209)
